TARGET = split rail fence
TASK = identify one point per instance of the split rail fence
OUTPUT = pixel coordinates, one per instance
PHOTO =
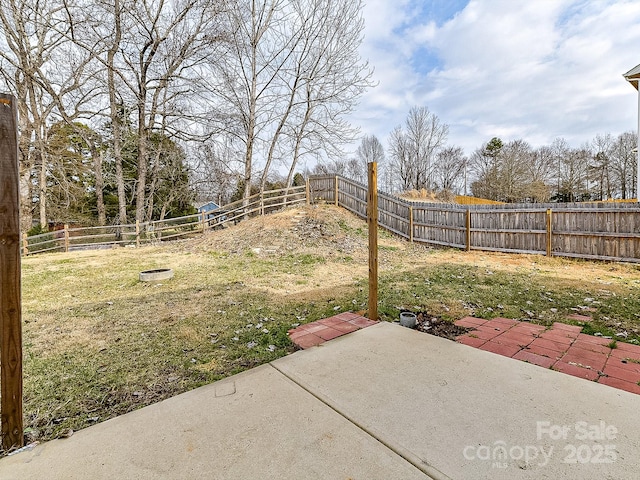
(83, 238)
(599, 231)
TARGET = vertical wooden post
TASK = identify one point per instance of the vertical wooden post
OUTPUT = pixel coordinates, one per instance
(372, 220)
(335, 192)
(549, 232)
(137, 233)
(66, 237)
(411, 224)
(468, 231)
(202, 217)
(262, 203)
(10, 286)
(308, 191)
(25, 245)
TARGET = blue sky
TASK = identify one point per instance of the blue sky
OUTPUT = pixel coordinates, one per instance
(529, 69)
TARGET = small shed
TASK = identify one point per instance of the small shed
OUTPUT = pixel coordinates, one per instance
(209, 206)
(211, 210)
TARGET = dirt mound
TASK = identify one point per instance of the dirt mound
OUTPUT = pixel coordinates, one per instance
(318, 229)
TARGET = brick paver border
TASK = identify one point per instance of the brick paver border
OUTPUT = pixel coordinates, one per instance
(561, 348)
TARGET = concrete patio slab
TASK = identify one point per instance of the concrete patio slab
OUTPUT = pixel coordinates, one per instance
(255, 425)
(463, 413)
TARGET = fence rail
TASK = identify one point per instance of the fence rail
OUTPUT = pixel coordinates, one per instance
(84, 238)
(599, 231)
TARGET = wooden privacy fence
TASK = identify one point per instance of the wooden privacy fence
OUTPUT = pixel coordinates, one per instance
(600, 231)
(83, 238)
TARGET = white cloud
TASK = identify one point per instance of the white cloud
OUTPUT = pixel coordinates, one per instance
(516, 69)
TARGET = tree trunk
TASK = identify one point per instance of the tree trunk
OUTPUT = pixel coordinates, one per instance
(115, 113)
(155, 179)
(42, 191)
(97, 167)
(142, 164)
(26, 164)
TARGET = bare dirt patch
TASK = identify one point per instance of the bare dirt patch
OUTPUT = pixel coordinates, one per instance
(439, 327)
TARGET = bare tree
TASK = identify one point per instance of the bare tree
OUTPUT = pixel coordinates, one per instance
(148, 53)
(215, 174)
(540, 173)
(414, 149)
(115, 104)
(245, 73)
(449, 168)
(502, 170)
(332, 167)
(515, 156)
(370, 150)
(600, 166)
(573, 175)
(287, 77)
(485, 165)
(28, 38)
(401, 166)
(623, 164)
(334, 77)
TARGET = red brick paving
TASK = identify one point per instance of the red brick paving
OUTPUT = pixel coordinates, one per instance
(501, 349)
(471, 341)
(591, 347)
(545, 352)
(534, 358)
(595, 340)
(521, 338)
(470, 322)
(574, 329)
(561, 347)
(625, 355)
(487, 333)
(558, 336)
(593, 363)
(549, 345)
(500, 323)
(308, 341)
(621, 384)
(316, 333)
(626, 374)
(576, 370)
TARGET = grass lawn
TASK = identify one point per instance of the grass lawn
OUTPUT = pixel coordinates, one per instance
(99, 343)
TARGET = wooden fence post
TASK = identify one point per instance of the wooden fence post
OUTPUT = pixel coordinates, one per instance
(137, 233)
(66, 237)
(468, 231)
(10, 286)
(307, 191)
(25, 245)
(202, 215)
(411, 224)
(335, 193)
(372, 220)
(549, 232)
